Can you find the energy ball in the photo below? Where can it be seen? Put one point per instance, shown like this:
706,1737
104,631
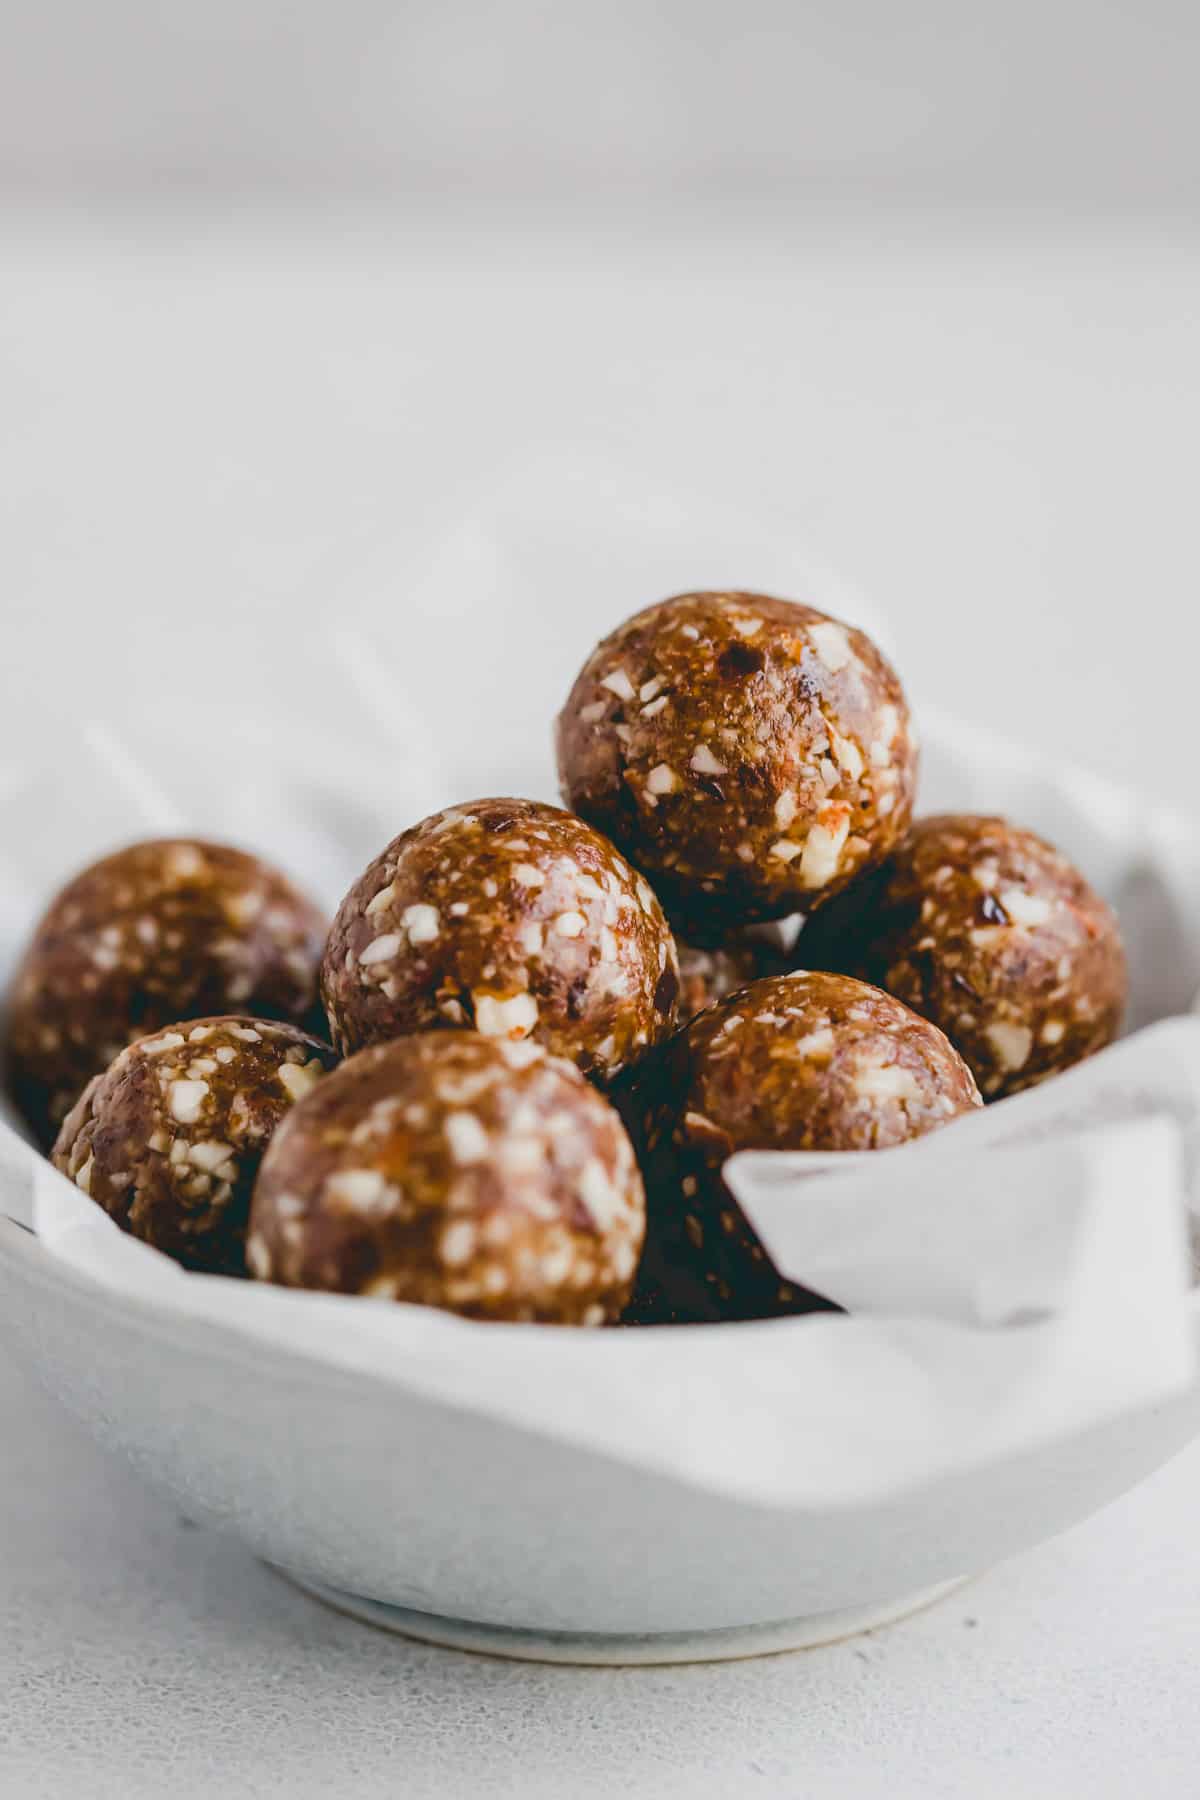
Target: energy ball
163,931
169,1139
447,1169
510,917
806,1061
991,933
751,755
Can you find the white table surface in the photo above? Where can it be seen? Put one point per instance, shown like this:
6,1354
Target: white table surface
141,1656
203,425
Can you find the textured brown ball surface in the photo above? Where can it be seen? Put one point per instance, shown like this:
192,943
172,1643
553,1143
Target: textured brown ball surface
796,1062
751,755
991,933
169,1139
483,1177
513,918
162,931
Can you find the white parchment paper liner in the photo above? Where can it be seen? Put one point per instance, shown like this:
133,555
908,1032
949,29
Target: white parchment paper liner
1000,1298
964,1359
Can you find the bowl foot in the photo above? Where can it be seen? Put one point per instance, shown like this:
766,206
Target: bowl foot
602,1648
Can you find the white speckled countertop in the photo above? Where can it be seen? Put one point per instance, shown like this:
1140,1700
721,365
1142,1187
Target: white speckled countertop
140,1656
999,441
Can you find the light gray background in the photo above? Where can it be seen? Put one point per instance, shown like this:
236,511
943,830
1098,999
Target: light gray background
1084,106
283,289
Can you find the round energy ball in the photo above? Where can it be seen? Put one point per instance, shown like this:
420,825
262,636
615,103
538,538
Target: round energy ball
751,755
168,1140
513,918
806,1061
161,931
991,933
481,1176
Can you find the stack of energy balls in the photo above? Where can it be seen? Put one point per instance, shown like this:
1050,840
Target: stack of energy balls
505,1082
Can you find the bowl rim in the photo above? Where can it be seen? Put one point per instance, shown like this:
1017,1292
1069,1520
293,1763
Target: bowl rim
229,1344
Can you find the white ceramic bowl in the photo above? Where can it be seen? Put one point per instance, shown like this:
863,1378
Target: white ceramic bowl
488,1535
354,1485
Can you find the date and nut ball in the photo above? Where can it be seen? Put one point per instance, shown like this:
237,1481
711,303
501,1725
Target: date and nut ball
751,755
481,1176
513,918
162,931
169,1139
806,1061
991,933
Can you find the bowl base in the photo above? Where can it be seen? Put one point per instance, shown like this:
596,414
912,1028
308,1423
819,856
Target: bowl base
602,1648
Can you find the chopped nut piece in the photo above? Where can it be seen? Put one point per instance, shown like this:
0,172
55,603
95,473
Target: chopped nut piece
531,936
380,949
619,683
209,1155
296,1082
831,644
1011,1043
705,763
891,1081
603,1200
848,756
514,1017
457,1243
421,923
1025,909
823,846
187,1100
466,1137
